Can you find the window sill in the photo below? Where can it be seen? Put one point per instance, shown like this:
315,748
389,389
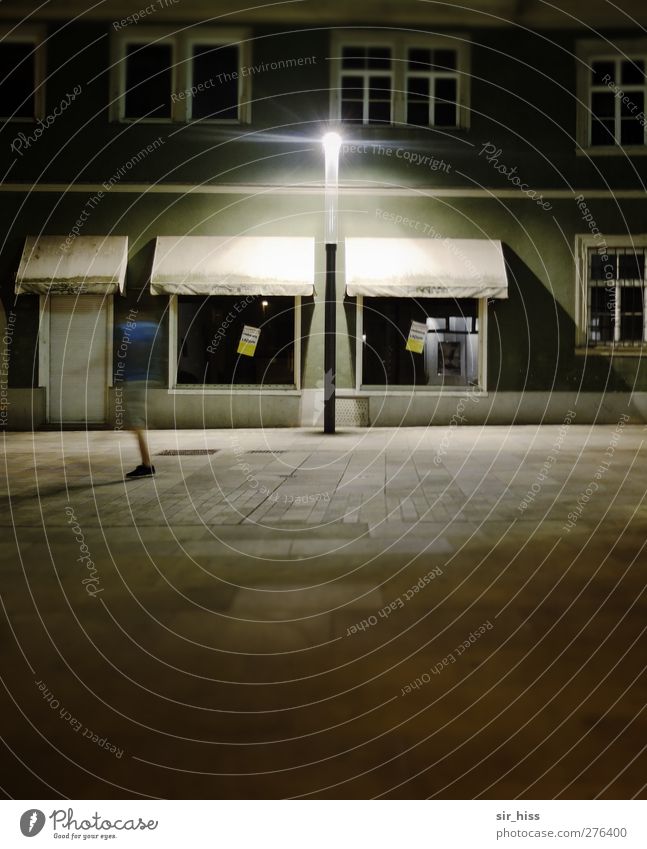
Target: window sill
171,122
436,391
612,150
611,351
234,390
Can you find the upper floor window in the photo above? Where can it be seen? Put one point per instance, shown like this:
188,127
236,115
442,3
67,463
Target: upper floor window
401,79
196,75
22,74
618,89
612,96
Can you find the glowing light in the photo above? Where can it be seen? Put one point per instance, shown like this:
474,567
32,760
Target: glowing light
332,143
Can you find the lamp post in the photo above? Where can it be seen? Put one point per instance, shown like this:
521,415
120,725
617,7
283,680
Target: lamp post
331,144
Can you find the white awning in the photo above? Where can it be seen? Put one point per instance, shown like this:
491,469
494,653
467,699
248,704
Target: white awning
56,265
425,268
233,265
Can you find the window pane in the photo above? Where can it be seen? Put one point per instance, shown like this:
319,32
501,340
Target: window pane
633,72
603,269
445,60
446,90
445,115
631,266
451,325
379,112
603,104
418,88
215,69
148,80
17,80
419,58
602,132
602,313
352,110
631,328
634,104
600,70
200,319
631,299
418,113
353,57
379,57
631,131
352,87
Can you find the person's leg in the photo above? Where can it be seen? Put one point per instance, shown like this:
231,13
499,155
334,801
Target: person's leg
140,433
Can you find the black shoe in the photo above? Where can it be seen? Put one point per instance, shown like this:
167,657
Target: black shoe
142,472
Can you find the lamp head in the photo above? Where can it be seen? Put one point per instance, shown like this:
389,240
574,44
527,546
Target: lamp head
331,143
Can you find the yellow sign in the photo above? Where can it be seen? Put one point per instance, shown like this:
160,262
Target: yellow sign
417,336
249,340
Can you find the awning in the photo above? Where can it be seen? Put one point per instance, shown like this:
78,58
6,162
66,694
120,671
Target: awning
233,265
56,265
425,268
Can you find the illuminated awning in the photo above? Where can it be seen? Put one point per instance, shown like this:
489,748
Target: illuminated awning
425,268
58,265
239,265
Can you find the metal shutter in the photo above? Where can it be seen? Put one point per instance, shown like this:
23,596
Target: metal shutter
77,358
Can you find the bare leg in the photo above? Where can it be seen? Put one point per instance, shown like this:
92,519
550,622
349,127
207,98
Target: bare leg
140,433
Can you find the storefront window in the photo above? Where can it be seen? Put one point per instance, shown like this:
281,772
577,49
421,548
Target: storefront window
450,350
209,333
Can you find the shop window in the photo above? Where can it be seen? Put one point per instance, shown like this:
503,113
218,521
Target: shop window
209,330
450,353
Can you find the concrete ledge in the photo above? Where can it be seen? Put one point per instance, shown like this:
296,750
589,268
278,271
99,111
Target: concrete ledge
170,411
25,409
504,408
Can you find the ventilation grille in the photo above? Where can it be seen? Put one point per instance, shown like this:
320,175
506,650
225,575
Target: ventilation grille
351,412
186,452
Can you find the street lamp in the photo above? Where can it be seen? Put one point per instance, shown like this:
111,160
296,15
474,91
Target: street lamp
331,145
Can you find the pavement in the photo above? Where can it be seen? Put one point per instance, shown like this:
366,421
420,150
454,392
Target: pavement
394,613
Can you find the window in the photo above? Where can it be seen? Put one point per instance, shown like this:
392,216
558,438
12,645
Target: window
418,80
612,92
432,87
451,348
22,75
616,296
366,85
180,77
149,80
618,101
209,331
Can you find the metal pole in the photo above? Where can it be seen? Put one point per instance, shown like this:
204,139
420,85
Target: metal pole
330,339
331,143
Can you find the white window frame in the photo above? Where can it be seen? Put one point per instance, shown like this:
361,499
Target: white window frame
227,389
182,70
400,43
596,50
369,389
583,244
34,35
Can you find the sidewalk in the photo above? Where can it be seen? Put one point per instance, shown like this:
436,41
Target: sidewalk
414,612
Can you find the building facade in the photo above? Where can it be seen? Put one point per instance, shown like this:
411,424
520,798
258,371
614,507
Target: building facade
165,163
